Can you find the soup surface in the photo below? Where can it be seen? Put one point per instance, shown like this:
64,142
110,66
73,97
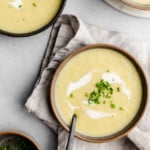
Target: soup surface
21,16
102,87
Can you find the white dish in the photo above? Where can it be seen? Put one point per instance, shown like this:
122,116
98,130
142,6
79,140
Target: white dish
119,5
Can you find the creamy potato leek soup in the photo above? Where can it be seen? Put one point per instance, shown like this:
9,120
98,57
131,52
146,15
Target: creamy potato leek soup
102,87
21,16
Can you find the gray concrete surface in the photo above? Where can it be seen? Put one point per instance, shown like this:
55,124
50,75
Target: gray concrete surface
20,60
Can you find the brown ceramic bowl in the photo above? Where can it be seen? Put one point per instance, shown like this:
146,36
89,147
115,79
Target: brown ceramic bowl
16,138
137,117
52,21
136,5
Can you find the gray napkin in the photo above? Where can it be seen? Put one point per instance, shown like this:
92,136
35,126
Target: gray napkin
68,34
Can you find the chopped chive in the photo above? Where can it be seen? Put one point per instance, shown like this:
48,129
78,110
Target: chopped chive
113,106
104,102
86,94
107,70
71,95
111,91
121,108
34,4
103,89
7,147
107,96
20,6
118,89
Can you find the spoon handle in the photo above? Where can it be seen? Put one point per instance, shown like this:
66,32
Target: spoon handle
71,134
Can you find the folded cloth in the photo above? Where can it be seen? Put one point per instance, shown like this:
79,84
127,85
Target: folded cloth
68,34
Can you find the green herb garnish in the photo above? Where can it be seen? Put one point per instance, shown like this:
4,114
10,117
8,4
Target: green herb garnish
71,95
86,94
18,144
118,89
94,97
103,90
23,144
104,102
121,108
8,147
20,6
34,4
113,106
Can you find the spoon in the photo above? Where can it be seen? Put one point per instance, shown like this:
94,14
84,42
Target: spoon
71,134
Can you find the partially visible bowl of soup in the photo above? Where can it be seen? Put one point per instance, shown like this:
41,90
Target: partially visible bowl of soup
16,140
105,87
27,17
139,4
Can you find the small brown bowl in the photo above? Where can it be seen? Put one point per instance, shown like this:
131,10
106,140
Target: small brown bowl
133,4
17,140
51,22
137,117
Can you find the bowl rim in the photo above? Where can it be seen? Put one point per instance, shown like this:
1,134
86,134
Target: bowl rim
136,5
137,117
21,134
46,26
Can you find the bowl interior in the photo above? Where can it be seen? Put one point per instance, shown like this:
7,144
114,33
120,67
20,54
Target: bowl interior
16,141
137,117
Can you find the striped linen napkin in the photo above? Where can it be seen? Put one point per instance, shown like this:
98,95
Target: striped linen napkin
68,34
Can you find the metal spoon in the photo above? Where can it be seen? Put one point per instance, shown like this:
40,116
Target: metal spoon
71,134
